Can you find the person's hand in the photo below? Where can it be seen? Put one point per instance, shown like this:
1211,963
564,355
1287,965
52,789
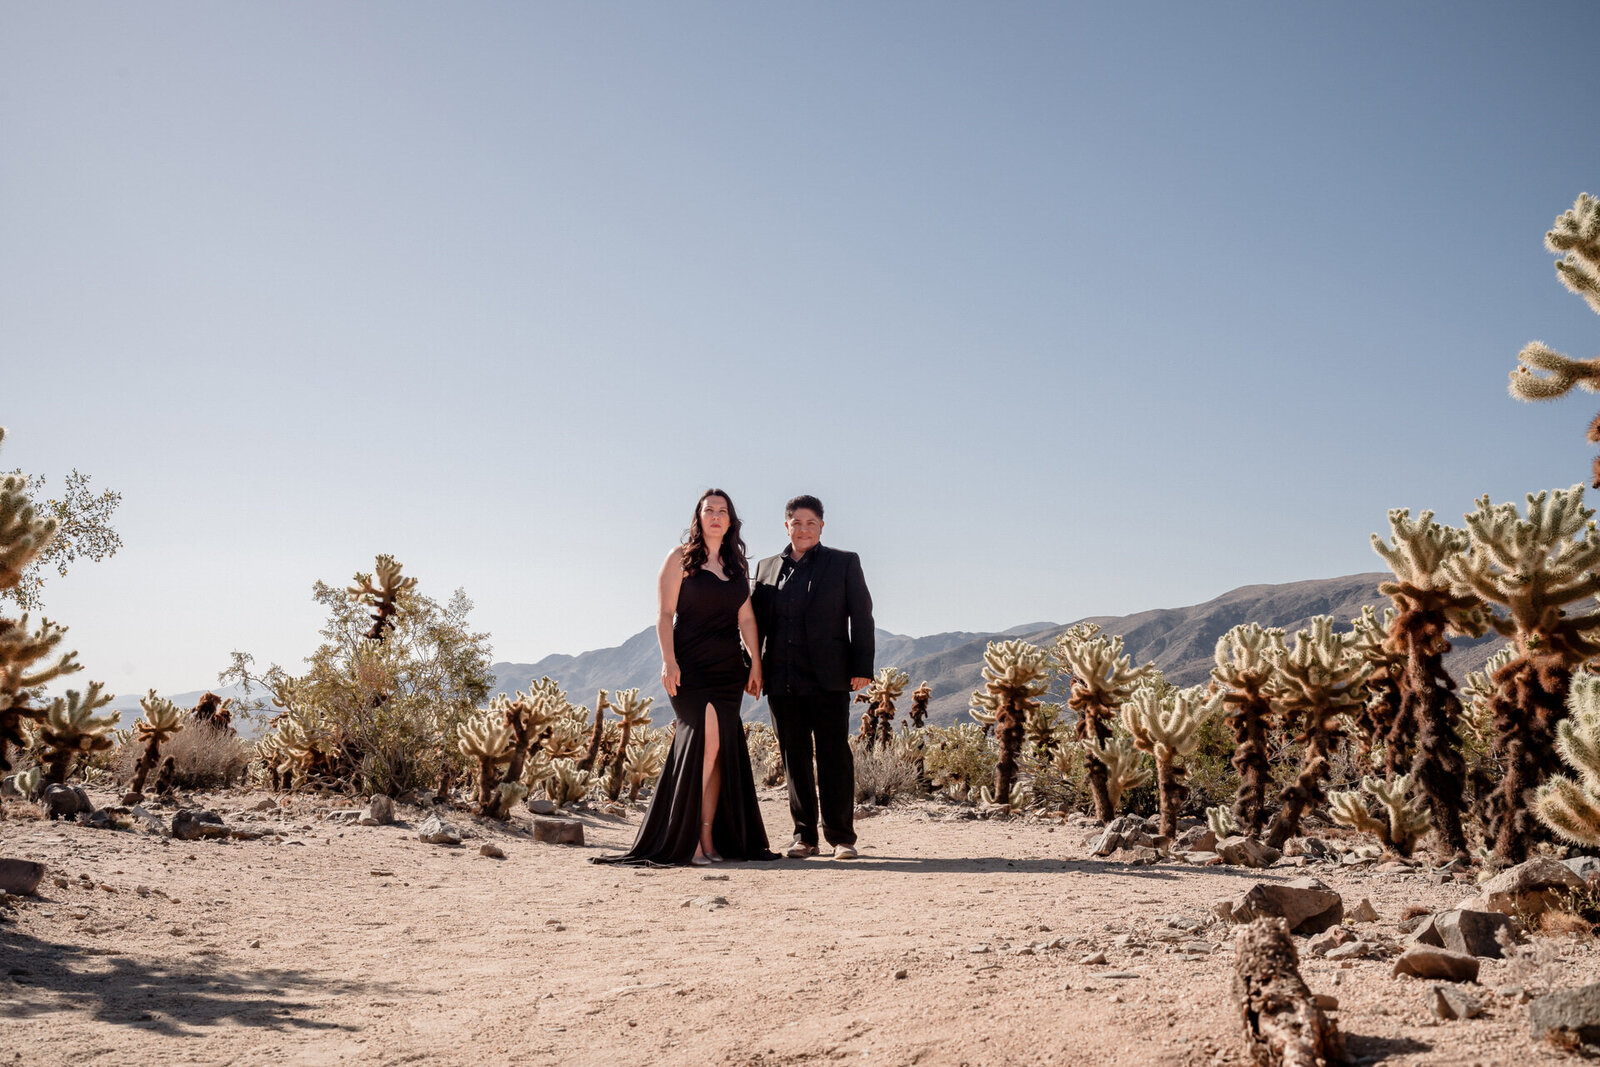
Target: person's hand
670,677
753,686
858,684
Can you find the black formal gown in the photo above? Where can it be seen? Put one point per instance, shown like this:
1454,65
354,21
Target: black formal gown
705,637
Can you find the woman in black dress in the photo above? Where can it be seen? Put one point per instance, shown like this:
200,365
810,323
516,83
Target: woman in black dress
704,807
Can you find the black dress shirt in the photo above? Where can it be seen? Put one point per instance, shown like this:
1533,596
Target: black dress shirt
788,654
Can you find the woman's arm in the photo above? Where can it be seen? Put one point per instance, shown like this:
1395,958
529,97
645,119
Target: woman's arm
667,600
752,645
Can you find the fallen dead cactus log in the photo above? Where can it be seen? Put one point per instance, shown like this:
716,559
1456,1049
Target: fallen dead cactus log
1283,1025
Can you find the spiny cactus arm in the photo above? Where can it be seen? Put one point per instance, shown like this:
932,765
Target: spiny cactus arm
1415,550
1221,821
1576,236
382,596
486,737
74,715
1247,655
1349,808
1569,809
1545,374
162,718
1408,818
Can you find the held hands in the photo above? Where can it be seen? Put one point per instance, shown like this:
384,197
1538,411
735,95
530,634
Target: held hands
753,686
670,677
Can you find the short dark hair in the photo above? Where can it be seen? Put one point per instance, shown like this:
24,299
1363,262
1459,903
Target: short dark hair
804,500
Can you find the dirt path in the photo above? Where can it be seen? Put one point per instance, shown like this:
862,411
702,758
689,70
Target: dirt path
347,944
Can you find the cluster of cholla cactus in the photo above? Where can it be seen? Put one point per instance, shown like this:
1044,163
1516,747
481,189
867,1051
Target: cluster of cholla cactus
877,720
1538,575
1317,683
1407,820
1015,675
162,719
30,655
1165,722
1544,374
1103,679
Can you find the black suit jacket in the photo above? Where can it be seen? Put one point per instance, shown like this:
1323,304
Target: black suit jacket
839,627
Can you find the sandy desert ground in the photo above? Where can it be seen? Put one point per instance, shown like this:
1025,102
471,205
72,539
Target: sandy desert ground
950,941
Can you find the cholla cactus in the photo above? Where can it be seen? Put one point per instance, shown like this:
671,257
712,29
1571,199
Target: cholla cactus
643,765
1572,808
601,703
1576,237
530,718
919,705
270,751
23,650
1016,800
1221,821
633,711
1167,725
568,731
1374,722
1429,611
881,693
71,728
1103,679
1477,723
487,738
383,596
162,719
1015,673
1531,571
568,783
1247,657
1124,769
1407,819
30,782
1043,731
1319,681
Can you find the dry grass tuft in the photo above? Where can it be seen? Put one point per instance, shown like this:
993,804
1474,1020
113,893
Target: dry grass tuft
204,757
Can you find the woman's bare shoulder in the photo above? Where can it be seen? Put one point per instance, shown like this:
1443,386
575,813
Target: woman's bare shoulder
675,557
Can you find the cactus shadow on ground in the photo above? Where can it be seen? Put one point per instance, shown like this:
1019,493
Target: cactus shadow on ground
1367,1049
175,999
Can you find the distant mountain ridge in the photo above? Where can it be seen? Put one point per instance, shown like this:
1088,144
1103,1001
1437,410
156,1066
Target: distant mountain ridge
1181,641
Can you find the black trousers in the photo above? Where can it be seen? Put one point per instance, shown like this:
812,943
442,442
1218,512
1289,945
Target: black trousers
820,723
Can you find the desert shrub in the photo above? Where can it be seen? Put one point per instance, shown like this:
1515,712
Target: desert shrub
884,772
766,761
1057,778
960,759
203,757
378,715
1212,779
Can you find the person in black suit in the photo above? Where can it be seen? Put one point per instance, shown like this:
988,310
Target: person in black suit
814,618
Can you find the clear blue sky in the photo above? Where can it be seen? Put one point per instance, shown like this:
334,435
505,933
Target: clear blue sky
1061,310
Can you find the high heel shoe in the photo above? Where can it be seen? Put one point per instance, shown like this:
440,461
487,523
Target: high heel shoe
700,859
713,856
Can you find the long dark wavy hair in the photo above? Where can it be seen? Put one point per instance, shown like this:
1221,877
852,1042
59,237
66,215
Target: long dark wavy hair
694,542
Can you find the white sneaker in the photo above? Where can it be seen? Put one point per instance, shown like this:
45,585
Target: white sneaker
845,852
